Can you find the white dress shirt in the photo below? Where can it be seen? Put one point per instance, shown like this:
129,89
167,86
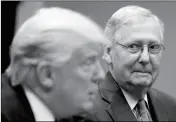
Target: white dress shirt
131,101
40,110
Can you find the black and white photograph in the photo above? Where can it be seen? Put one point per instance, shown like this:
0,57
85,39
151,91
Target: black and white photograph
88,61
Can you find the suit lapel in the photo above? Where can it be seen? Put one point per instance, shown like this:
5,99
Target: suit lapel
24,109
107,90
117,108
15,105
156,105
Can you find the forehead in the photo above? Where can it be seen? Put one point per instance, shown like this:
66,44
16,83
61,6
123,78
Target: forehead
89,49
86,52
148,30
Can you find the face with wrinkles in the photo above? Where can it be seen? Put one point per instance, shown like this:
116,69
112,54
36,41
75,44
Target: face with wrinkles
75,83
140,68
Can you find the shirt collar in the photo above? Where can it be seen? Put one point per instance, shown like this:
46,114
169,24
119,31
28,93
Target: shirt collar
40,110
131,101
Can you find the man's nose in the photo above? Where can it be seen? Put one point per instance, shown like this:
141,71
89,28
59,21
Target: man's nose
99,75
144,57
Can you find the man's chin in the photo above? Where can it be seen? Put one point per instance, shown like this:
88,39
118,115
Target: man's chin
142,82
137,85
141,79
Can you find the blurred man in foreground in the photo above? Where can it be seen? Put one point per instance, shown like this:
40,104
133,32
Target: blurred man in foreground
134,64
54,69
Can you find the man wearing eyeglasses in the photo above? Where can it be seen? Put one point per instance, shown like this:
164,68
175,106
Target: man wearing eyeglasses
134,64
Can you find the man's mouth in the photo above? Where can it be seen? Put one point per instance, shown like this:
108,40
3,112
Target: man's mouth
142,74
142,71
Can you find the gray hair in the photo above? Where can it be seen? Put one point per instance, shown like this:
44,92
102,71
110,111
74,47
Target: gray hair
124,16
32,45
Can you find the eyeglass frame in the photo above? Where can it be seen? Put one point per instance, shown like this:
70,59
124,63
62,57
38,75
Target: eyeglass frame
142,47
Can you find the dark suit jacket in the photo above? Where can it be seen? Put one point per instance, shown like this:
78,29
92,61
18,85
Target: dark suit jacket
16,108
111,104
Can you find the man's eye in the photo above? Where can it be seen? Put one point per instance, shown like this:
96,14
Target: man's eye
155,47
134,46
90,60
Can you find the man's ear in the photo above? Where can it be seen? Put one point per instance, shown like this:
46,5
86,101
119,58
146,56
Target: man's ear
44,74
107,56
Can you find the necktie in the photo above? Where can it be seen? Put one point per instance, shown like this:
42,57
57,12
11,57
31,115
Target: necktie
144,114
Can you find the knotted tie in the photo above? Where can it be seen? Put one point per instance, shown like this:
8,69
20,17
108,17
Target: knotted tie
144,114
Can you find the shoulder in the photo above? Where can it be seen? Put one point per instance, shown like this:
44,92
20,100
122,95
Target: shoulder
4,118
9,97
6,89
165,102
165,98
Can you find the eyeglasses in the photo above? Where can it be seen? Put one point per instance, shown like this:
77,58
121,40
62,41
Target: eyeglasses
134,47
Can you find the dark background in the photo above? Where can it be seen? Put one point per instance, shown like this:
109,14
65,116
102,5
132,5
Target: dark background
8,14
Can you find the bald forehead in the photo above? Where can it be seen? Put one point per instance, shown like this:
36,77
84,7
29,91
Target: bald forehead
140,21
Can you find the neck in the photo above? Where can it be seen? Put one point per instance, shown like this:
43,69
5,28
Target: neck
138,92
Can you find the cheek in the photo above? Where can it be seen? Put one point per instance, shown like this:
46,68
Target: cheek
155,61
123,61
75,92
82,79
